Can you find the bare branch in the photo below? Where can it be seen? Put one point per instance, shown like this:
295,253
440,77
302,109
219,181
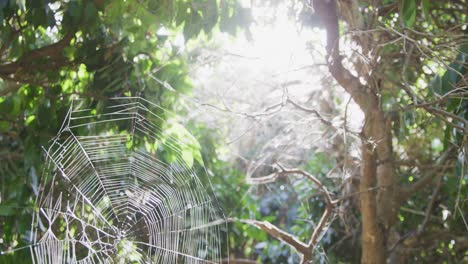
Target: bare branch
305,249
277,233
52,51
309,110
238,261
440,112
407,192
430,207
284,172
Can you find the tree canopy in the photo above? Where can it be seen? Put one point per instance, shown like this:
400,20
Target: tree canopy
305,185
54,51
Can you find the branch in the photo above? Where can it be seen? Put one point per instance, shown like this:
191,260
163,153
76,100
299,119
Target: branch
309,110
52,51
420,213
414,239
284,172
277,233
407,192
440,112
305,249
11,156
238,261
7,42
326,10
430,207
428,106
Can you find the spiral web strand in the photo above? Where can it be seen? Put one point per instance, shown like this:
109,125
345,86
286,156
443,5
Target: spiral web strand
105,198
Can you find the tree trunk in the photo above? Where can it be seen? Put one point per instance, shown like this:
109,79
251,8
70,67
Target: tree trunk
387,203
373,251
378,201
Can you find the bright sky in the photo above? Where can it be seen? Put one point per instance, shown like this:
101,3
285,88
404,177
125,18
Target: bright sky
250,75
282,44
277,52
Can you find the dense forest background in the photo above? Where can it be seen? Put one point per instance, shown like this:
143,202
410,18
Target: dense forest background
352,151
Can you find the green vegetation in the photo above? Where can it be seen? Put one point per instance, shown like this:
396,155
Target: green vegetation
402,198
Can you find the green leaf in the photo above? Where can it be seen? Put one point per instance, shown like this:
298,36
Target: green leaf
4,126
442,84
426,4
192,25
210,16
6,210
90,13
187,156
408,12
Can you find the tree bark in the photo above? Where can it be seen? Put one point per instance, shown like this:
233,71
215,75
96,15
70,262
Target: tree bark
372,246
52,51
387,202
377,186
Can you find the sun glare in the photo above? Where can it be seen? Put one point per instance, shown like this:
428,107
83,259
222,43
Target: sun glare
281,54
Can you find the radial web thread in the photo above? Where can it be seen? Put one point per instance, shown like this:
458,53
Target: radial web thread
105,197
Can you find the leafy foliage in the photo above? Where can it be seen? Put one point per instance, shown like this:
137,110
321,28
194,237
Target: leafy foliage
53,51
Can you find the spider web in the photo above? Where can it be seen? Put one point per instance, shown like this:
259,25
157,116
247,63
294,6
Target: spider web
108,194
